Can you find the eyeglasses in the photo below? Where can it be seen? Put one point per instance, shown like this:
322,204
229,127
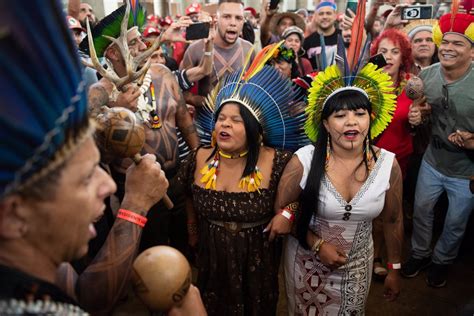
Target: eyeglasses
445,99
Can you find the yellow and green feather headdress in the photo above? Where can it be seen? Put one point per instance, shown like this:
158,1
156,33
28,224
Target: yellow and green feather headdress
375,84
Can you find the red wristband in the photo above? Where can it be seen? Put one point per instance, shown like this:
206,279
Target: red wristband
288,215
132,217
394,266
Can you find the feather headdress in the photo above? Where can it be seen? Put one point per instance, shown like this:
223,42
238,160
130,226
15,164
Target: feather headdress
372,82
267,95
459,23
369,81
43,116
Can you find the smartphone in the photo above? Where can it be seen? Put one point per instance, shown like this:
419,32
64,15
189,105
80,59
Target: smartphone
378,60
197,31
417,12
274,4
352,5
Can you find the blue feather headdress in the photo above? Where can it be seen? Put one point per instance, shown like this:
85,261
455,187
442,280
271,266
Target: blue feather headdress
268,96
43,112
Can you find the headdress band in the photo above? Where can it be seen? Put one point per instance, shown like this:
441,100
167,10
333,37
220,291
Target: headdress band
349,88
326,4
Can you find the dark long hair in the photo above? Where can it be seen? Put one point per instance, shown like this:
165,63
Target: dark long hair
254,134
346,99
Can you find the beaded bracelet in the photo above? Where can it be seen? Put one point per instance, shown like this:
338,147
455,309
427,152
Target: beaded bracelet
132,217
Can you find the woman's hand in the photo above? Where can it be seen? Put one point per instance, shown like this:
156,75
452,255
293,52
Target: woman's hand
279,225
330,255
392,285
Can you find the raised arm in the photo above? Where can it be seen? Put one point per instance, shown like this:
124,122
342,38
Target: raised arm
392,215
73,8
99,287
205,66
265,32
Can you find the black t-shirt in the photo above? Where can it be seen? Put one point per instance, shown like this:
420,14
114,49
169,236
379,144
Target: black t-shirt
312,46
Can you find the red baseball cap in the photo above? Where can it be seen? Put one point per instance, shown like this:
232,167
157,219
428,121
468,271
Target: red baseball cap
252,11
150,31
166,21
74,24
193,8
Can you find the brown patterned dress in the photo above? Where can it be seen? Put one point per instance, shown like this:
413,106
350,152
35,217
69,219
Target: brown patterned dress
238,267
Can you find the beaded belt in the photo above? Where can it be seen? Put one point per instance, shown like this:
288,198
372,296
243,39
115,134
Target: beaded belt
235,227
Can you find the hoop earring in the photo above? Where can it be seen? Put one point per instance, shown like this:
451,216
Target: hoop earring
328,152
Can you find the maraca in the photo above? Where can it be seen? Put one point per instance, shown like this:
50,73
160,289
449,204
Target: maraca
161,277
414,88
120,134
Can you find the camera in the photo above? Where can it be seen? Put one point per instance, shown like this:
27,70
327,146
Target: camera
417,12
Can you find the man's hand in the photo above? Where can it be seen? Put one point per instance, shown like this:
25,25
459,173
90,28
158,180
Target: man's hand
174,33
190,305
128,98
145,185
269,13
462,139
418,109
348,20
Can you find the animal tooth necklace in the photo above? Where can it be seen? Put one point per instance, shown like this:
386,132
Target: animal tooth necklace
210,172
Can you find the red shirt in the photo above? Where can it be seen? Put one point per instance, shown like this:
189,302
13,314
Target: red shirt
397,136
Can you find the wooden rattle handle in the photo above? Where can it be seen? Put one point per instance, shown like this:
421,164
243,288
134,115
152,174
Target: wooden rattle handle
166,199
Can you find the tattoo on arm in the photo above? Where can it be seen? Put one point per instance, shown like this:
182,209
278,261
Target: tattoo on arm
101,284
185,123
393,215
98,97
289,188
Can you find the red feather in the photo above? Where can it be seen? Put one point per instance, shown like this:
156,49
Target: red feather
357,36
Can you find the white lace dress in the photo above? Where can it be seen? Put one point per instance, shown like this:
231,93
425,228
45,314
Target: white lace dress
314,289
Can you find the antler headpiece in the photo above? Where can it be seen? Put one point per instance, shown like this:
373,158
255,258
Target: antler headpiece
113,29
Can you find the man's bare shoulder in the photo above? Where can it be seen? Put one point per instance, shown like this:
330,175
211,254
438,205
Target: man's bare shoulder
159,70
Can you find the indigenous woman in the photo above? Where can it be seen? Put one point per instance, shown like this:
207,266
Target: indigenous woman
232,186
343,182
284,60
397,137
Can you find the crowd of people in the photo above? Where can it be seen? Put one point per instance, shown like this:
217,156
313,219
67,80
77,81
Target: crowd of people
289,143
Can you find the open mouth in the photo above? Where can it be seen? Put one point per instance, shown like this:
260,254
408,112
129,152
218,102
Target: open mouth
232,34
448,56
351,134
224,135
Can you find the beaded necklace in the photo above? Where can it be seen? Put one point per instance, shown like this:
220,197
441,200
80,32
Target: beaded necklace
210,172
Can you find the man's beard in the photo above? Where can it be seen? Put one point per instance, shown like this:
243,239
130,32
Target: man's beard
91,23
222,36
